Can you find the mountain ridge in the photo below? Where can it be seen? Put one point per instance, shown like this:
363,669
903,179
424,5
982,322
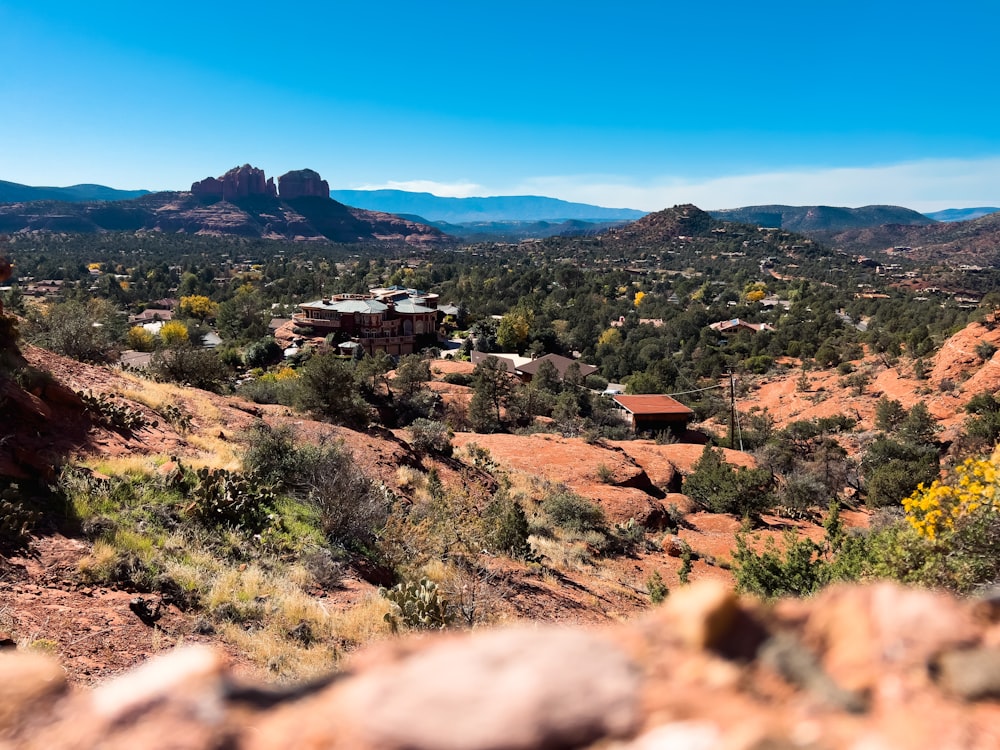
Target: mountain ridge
821,218
14,192
481,209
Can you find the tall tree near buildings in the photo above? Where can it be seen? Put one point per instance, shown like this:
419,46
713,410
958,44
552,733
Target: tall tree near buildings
492,386
242,317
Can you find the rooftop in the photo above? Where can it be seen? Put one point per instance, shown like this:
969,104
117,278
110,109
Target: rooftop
655,403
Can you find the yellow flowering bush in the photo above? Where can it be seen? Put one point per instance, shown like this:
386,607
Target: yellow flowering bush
971,492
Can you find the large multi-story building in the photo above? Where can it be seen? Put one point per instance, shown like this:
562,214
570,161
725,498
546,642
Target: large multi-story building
393,320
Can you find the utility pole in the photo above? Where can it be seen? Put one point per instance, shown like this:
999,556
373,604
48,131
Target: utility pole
732,411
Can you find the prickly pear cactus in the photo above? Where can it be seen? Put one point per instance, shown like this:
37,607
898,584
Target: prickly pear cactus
417,604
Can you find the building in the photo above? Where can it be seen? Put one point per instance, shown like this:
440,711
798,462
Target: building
654,413
561,364
525,368
734,326
394,321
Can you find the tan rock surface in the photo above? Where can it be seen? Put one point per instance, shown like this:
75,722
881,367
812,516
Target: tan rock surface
854,667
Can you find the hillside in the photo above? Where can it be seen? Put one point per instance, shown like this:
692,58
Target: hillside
12,192
962,214
807,219
240,203
518,208
974,242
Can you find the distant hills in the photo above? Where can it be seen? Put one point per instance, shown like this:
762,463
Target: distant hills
975,242
504,208
242,203
962,214
12,192
821,218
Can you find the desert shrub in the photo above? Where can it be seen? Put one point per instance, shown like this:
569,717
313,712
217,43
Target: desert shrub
797,570
625,538
687,555
985,350
656,587
458,378
269,390
984,424
85,330
889,414
188,365
605,474
328,387
262,353
720,488
428,436
17,518
569,511
351,508
893,469
506,527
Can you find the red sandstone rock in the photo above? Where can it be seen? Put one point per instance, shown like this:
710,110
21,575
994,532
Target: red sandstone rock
302,183
706,670
238,182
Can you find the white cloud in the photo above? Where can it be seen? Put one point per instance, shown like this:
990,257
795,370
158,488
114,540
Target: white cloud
442,189
926,185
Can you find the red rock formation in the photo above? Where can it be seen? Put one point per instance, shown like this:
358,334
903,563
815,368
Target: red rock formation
207,188
302,183
238,182
880,666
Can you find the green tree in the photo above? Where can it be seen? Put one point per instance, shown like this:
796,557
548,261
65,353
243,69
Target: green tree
512,333
327,387
492,386
716,485
242,317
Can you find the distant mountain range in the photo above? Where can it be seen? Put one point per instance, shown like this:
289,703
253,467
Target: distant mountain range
821,218
242,203
962,214
12,192
975,242
504,208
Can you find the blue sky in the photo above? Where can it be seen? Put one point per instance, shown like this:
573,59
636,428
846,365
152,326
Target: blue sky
638,104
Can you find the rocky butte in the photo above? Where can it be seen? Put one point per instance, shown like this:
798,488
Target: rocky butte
302,183
238,182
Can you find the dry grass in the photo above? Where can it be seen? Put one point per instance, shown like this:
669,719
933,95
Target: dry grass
563,554
132,465
279,658
364,622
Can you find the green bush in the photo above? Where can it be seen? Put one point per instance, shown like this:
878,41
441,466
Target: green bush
428,436
656,587
571,512
506,527
720,488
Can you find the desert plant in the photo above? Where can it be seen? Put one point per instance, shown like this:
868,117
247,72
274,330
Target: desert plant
656,587
429,436
17,519
117,415
416,604
226,498
720,488
569,511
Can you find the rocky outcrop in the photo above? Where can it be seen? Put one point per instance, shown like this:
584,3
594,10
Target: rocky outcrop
879,666
302,183
238,182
